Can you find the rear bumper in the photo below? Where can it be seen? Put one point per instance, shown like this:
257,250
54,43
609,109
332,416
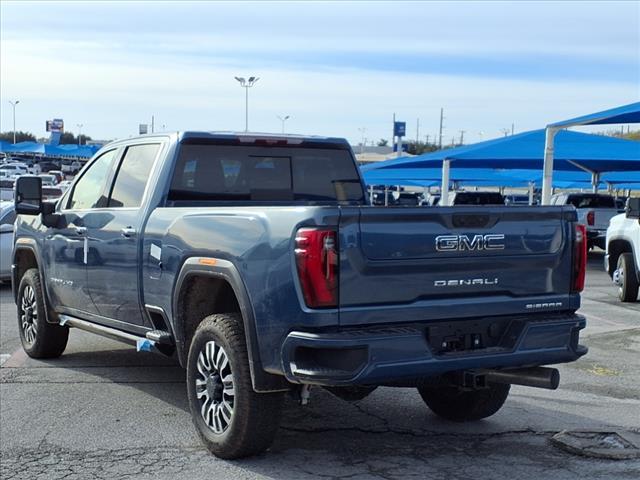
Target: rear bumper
597,237
384,355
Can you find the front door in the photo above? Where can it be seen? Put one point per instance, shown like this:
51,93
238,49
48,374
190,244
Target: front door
113,239
66,245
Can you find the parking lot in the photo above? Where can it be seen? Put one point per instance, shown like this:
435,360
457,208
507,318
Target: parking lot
104,411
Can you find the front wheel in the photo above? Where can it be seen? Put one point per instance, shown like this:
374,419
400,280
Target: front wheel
231,418
461,405
626,278
40,339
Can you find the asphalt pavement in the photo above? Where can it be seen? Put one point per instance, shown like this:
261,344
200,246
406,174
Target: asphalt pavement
104,411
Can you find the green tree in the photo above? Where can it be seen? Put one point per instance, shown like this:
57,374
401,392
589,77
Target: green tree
20,137
418,148
383,142
68,138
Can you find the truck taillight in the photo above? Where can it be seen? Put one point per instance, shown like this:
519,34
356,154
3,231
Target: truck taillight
591,217
317,262
579,258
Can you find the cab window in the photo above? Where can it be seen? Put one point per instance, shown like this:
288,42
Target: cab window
88,191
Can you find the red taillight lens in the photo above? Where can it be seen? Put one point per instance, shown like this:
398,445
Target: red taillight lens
579,258
317,261
591,217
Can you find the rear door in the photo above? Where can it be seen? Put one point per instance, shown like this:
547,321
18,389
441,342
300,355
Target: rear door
406,264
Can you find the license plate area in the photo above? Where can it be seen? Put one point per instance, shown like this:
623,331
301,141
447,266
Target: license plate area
473,336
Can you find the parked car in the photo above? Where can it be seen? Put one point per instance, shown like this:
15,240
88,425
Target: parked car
49,180
64,185
51,192
258,262
431,199
70,167
48,165
595,210
58,174
7,218
518,200
477,198
33,167
15,169
622,258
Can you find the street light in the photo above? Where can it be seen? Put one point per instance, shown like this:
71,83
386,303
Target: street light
283,119
246,84
79,125
13,104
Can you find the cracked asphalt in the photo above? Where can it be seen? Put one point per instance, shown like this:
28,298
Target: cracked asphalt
104,411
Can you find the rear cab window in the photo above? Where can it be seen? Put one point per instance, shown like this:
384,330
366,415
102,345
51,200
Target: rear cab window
591,201
228,173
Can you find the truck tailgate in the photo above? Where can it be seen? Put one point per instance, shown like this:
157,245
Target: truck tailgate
412,264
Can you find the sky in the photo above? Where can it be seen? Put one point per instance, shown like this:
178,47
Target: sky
336,68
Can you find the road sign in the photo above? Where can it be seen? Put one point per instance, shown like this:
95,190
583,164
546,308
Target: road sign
400,129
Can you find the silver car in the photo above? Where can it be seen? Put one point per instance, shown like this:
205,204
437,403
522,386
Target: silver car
7,218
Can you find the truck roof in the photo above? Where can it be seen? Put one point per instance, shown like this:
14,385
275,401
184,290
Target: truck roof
244,137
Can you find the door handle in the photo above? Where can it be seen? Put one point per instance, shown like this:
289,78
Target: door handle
128,232
80,230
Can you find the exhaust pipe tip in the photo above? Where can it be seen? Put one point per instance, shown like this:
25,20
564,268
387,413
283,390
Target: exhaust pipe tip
537,377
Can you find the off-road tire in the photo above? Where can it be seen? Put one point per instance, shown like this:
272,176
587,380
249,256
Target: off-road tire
460,405
40,339
628,290
256,416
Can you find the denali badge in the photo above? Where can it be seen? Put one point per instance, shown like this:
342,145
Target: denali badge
448,243
465,281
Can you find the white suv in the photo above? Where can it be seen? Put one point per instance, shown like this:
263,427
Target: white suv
622,260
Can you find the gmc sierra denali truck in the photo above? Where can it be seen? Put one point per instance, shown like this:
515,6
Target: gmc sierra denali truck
256,260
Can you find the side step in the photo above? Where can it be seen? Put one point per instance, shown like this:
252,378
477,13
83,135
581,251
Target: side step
154,341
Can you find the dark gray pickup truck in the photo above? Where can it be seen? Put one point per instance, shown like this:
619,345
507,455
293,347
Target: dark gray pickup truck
256,260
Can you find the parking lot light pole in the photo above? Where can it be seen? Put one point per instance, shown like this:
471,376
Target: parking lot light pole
283,119
79,125
247,84
13,104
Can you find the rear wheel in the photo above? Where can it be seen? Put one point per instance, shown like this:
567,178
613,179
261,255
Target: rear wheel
462,405
626,278
40,339
231,418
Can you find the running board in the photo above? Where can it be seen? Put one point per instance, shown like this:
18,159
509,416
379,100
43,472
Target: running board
142,344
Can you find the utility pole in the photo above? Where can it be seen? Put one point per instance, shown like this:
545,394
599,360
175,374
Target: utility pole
153,121
505,131
13,104
426,139
513,128
393,131
79,125
362,131
441,126
417,132
462,137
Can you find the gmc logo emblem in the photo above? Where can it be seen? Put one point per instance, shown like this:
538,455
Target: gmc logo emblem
451,243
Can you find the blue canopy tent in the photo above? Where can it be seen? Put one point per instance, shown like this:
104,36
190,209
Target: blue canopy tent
575,152
624,114
82,151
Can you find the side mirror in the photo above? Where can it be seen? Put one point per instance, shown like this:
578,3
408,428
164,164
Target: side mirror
632,209
28,195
